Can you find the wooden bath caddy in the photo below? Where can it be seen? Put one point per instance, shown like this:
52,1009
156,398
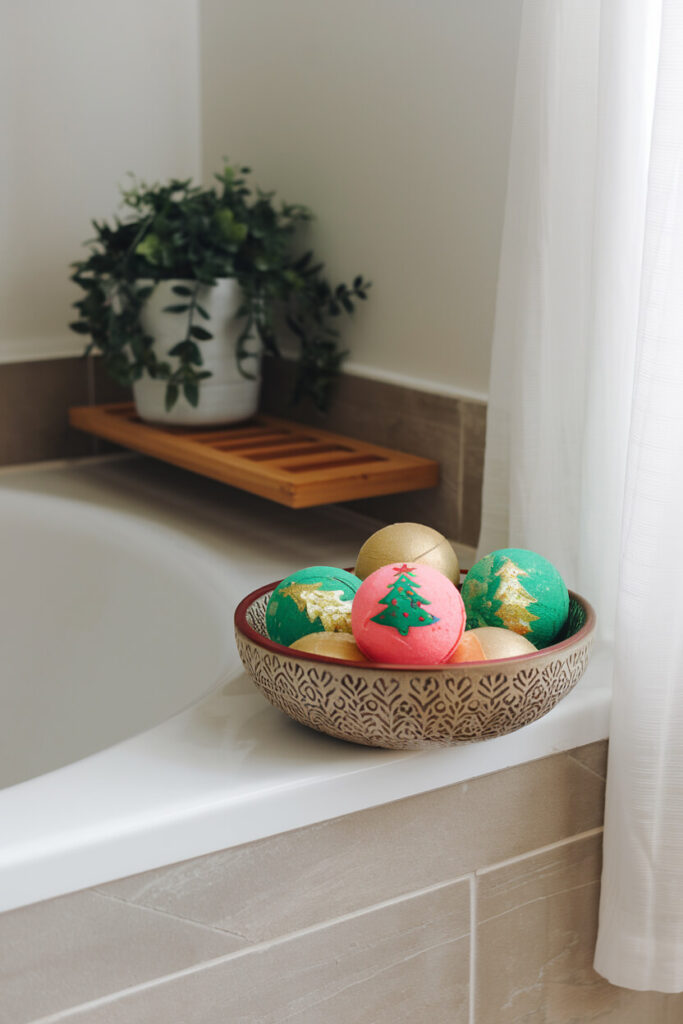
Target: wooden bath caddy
288,462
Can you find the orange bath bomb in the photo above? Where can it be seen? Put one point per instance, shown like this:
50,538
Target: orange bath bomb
330,645
489,643
469,649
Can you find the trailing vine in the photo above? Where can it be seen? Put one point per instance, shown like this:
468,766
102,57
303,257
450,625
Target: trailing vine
179,231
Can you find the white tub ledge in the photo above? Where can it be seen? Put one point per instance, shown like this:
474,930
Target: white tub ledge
229,768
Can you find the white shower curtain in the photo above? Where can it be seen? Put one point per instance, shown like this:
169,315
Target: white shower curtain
584,456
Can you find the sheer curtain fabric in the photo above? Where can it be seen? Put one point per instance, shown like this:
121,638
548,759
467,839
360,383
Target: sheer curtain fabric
584,458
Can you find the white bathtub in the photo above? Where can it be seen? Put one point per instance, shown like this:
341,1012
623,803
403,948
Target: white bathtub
119,580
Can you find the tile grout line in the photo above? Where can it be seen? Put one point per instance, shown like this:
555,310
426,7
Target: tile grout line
424,386
460,476
90,381
540,849
167,913
50,465
473,945
537,899
587,767
73,1012
382,970
91,398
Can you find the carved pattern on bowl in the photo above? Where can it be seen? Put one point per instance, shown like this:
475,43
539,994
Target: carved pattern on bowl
409,709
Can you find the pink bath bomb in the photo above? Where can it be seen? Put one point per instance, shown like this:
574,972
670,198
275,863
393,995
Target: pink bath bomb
407,614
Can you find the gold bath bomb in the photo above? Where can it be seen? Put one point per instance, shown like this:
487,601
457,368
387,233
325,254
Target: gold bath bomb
411,543
330,645
488,643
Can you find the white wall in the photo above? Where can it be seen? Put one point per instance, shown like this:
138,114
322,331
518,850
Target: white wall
391,119
89,90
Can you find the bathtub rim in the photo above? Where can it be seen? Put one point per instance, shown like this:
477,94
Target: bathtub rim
104,831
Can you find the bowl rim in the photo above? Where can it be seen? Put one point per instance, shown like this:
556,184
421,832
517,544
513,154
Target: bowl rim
262,641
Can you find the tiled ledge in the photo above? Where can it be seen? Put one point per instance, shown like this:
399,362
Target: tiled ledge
476,904
379,900
446,428
34,400
35,397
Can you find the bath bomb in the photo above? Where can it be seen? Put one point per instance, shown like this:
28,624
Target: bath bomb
486,643
518,590
407,542
407,614
468,649
310,601
330,645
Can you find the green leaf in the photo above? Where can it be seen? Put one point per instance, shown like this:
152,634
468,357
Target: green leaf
150,248
193,353
176,309
178,349
295,327
243,371
202,311
200,333
231,229
191,392
79,327
304,260
171,396
181,289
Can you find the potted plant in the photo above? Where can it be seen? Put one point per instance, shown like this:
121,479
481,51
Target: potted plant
186,291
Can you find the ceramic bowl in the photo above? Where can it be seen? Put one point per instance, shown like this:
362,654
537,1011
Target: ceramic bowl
408,708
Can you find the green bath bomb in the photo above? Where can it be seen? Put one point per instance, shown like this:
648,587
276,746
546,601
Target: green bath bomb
310,601
518,590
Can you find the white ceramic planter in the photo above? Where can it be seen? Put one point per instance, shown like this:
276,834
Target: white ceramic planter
226,396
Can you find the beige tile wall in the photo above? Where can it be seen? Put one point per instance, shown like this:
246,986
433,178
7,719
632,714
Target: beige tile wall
34,398
68,951
536,925
593,756
450,430
375,855
474,904
403,962
34,403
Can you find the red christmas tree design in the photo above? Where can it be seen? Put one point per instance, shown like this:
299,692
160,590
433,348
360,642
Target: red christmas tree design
404,606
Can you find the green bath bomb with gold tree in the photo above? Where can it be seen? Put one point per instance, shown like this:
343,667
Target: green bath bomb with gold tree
311,600
518,590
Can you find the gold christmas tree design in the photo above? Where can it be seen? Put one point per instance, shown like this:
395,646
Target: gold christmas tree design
514,599
327,605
